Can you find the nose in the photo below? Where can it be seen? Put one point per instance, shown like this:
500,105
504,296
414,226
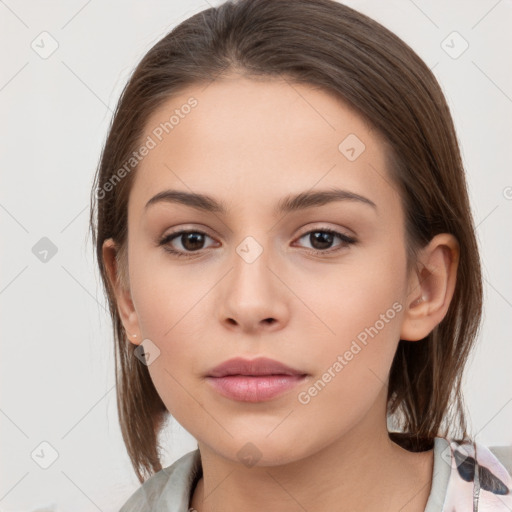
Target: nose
253,297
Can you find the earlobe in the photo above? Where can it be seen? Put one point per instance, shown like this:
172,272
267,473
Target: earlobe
431,287
133,338
122,294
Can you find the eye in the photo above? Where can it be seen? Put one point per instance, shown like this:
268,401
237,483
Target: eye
191,241
322,239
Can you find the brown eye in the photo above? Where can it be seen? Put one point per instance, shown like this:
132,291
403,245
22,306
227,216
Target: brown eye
190,241
321,240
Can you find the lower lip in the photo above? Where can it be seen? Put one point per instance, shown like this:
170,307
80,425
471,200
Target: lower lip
254,389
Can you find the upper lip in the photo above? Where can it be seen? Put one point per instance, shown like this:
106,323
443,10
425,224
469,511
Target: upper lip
258,366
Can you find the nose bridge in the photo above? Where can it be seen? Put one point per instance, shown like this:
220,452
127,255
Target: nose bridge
251,264
252,293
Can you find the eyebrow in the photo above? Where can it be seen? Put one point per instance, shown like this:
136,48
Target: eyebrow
287,204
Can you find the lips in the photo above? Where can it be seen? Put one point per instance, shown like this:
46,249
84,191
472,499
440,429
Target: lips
254,367
254,380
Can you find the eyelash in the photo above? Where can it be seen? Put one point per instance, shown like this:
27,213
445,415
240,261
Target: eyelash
180,254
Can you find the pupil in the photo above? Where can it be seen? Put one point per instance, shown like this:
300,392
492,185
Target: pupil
325,239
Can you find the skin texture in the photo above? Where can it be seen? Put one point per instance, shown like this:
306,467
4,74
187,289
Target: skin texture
249,143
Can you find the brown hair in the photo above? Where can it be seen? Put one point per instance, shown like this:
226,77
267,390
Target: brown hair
326,44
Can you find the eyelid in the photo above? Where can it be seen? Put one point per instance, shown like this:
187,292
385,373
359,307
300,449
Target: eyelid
204,230
184,228
324,227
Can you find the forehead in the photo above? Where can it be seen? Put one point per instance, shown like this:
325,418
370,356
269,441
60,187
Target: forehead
241,138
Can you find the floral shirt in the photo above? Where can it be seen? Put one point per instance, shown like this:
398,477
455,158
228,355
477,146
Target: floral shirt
461,481
477,482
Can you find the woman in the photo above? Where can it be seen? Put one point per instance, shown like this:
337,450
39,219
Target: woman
284,233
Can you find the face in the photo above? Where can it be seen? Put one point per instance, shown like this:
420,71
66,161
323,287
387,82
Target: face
320,287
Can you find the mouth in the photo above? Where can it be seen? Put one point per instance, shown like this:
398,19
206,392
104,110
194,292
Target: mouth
254,380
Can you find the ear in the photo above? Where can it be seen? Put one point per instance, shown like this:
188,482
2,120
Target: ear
431,287
122,293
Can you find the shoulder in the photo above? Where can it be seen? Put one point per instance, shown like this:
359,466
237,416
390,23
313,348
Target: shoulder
169,489
480,476
497,459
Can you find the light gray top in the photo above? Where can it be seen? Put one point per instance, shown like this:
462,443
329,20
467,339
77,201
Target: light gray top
170,489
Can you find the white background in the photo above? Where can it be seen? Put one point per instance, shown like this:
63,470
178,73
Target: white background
57,352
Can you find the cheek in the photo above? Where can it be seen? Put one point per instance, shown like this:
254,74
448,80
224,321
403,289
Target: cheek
168,310
362,309
165,292
357,313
